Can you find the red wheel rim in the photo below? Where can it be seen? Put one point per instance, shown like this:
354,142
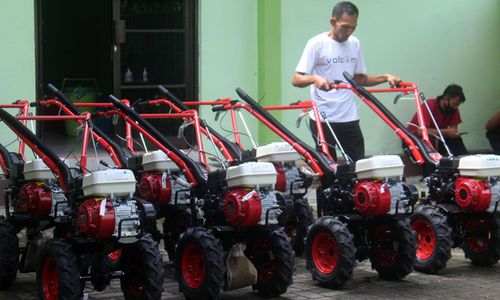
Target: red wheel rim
325,254
478,234
50,279
263,258
193,265
426,239
386,245
115,255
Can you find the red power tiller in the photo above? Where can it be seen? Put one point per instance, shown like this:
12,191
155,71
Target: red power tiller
461,208
99,227
291,183
363,213
230,208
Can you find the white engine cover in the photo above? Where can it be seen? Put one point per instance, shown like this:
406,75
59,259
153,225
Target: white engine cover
158,161
380,166
481,165
37,170
251,174
277,152
118,182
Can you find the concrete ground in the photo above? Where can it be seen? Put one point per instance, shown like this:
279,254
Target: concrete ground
460,280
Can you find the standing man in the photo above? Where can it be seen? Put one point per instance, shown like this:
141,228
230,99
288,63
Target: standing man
325,57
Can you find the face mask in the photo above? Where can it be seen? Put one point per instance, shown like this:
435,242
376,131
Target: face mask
447,109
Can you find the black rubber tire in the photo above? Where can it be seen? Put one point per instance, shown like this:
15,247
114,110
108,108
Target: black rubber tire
489,256
65,263
213,264
143,272
343,249
273,259
297,225
436,232
173,227
9,254
403,255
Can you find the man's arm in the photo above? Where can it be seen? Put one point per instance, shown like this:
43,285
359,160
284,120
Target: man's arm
370,80
492,122
303,80
450,132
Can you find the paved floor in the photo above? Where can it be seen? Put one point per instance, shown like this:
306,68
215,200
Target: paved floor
460,280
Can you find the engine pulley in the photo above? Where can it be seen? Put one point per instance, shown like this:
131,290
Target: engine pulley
155,188
472,195
372,198
35,199
242,208
96,223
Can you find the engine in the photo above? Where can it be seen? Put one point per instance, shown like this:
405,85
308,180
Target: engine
242,208
155,188
477,188
472,194
288,178
283,156
109,210
105,218
378,198
35,199
250,198
41,196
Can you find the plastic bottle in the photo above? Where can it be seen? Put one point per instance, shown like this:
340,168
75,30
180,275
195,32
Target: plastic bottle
145,75
128,75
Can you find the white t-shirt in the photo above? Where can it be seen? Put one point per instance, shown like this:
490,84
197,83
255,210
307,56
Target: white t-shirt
328,58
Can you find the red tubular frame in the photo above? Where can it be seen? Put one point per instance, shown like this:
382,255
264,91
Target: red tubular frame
23,107
191,115
51,164
217,142
309,159
176,159
128,129
98,138
405,88
304,105
234,124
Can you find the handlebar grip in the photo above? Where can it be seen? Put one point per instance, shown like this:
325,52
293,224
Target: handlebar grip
52,88
172,97
295,103
112,97
34,104
163,89
216,108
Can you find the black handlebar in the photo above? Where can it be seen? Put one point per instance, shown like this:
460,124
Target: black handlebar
231,147
425,149
193,167
27,135
122,153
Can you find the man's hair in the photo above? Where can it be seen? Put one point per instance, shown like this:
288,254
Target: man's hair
344,7
454,90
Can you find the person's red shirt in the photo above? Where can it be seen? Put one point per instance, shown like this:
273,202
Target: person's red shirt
443,120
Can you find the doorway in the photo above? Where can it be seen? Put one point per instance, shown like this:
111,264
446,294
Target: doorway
95,43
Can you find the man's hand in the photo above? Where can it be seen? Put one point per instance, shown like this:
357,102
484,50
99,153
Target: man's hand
321,83
451,132
393,80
